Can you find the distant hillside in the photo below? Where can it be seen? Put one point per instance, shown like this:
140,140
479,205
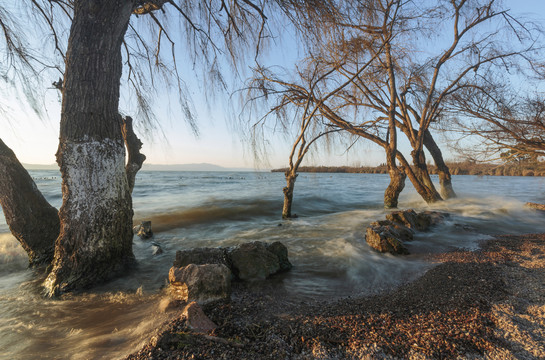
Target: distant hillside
190,167
154,167
41,167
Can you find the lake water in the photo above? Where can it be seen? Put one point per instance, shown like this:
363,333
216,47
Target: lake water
191,209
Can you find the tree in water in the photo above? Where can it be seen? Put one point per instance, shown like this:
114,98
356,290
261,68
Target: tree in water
412,83
299,96
95,238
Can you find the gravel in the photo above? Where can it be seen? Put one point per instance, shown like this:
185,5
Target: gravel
487,304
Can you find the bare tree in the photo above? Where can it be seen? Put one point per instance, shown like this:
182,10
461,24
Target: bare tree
411,82
293,100
95,239
509,125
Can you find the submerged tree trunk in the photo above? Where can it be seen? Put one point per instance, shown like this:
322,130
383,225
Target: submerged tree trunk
430,196
31,219
423,176
288,195
95,240
396,185
445,179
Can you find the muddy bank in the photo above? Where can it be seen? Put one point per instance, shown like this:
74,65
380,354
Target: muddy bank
484,304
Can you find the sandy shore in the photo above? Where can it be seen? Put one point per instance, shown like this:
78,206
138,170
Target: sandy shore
486,304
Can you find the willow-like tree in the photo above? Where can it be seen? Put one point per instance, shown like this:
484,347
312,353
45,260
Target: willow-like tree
293,103
411,81
95,238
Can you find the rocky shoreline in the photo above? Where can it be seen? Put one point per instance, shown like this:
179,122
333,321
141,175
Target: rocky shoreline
484,304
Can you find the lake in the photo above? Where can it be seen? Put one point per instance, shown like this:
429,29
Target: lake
192,209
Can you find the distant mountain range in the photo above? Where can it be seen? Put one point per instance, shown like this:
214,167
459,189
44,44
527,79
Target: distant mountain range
156,167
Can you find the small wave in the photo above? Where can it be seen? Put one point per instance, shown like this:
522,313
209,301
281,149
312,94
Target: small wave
218,211
12,255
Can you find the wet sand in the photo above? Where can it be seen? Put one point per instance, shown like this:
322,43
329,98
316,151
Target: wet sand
486,304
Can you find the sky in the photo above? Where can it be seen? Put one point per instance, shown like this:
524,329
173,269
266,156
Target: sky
35,139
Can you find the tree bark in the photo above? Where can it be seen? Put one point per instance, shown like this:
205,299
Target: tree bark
135,157
429,196
288,194
445,179
31,219
95,241
395,187
423,176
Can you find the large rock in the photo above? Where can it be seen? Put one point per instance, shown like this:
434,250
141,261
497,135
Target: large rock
252,261
201,256
200,283
281,251
385,238
416,221
389,235
401,231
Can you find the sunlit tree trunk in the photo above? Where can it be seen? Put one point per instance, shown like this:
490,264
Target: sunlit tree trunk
95,240
397,177
31,219
396,185
445,179
423,176
291,176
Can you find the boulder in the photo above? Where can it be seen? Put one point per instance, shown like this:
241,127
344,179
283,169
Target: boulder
402,232
201,256
385,238
417,221
389,235
196,319
252,261
200,283
408,218
432,217
281,251
143,230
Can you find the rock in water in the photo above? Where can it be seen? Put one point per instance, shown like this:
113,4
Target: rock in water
196,320
281,251
252,261
389,235
201,256
417,221
385,239
143,230
200,283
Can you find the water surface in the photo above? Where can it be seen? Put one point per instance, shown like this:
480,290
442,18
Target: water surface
188,209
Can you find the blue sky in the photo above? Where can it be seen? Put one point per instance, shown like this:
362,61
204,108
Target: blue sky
35,139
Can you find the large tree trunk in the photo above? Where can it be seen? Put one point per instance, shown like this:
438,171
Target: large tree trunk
396,185
429,195
423,176
95,240
445,179
288,194
31,219
397,180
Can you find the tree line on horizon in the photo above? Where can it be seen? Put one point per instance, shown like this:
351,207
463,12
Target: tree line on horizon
373,70
456,168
